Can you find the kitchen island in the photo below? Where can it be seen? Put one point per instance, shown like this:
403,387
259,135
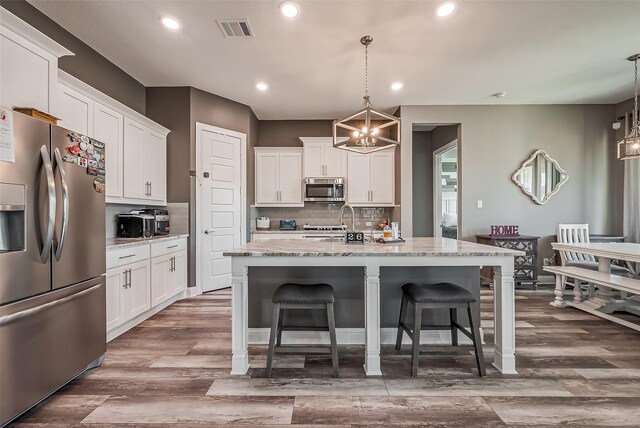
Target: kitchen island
371,257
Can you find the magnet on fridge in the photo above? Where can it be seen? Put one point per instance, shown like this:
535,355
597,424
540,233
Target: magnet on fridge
100,164
83,145
97,144
98,184
92,163
70,159
92,170
74,150
82,162
96,155
101,171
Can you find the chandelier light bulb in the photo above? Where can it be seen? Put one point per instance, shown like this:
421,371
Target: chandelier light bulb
375,131
365,129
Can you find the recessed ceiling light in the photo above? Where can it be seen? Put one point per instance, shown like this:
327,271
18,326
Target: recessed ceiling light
446,8
396,86
171,23
289,9
261,86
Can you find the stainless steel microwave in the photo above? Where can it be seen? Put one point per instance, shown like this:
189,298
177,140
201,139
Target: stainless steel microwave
324,189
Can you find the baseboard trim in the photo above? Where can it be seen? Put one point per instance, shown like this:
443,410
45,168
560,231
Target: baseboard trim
354,336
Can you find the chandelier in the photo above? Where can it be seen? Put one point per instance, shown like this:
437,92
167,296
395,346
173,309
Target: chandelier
629,146
367,130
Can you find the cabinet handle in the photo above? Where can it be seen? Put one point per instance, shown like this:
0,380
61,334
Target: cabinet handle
172,246
127,256
150,188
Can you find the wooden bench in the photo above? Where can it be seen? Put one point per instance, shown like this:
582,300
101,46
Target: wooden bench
598,278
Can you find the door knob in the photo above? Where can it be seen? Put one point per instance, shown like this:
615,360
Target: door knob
208,232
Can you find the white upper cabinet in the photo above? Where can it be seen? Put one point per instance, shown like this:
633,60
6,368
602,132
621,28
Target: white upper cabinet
278,177
155,155
108,128
75,111
28,66
321,159
135,146
135,185
371,179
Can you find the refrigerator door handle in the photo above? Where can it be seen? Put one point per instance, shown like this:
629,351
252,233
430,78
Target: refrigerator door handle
65,204
51,217
28,312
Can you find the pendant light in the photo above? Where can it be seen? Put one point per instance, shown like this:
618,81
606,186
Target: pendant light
368,130
629,146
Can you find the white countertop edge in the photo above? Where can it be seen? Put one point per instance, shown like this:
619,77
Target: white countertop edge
132,242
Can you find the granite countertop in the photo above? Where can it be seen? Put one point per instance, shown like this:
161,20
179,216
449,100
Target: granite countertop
412,247
312,232
117,243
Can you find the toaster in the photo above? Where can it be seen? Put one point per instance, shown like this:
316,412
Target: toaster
135,225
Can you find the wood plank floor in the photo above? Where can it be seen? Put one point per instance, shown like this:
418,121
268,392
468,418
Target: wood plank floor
575,369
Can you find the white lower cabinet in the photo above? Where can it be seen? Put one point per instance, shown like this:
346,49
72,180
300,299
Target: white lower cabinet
127,292
142,280
169,276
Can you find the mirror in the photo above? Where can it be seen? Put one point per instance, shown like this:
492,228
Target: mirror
540,177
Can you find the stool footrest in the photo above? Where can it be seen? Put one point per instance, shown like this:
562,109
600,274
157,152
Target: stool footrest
303,328
302,349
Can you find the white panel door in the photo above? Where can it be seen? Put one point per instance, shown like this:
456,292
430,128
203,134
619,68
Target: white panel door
75,111
267,191
135,185
108,128
335,161
314,160
138,293
160,279
24,74
290,178
155,160
358,179
179,275
382,177
115,293
221,200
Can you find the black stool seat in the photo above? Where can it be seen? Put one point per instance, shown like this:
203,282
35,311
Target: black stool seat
304,293
443,292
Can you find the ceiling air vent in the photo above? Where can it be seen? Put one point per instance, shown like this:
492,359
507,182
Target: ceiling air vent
235,27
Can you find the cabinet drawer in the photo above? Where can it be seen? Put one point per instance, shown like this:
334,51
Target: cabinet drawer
168,247
127,255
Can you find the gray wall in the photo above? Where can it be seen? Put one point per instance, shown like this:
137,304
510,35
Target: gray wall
285,133
87,64
170,107
422,190
495,140
617,167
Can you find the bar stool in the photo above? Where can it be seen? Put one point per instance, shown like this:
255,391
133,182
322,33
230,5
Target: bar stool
433,296
302,296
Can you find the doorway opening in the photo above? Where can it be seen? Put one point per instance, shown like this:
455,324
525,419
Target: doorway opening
445,191
436,180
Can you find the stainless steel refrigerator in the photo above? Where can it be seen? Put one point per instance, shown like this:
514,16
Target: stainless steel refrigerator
52,262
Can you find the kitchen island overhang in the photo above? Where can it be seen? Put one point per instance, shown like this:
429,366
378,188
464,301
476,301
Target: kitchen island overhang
416,252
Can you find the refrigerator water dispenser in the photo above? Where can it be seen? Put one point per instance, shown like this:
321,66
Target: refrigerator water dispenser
12,217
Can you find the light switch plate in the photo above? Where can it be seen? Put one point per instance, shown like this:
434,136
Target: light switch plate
479,204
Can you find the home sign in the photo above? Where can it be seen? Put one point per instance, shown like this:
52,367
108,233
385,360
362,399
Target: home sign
504,231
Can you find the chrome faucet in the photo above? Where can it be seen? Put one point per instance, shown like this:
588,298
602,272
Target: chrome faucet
353,216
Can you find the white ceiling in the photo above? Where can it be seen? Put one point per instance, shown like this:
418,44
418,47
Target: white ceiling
540,52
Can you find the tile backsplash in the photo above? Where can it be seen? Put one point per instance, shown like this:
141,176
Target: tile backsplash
321,214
